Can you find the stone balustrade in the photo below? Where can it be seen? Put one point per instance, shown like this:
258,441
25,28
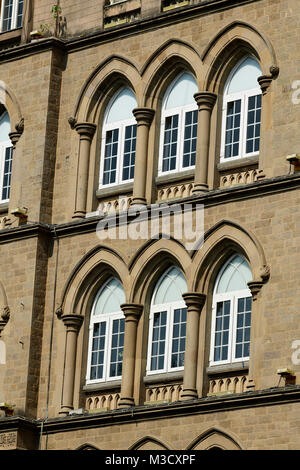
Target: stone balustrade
174,191
163,393
227,385
243,177
102,402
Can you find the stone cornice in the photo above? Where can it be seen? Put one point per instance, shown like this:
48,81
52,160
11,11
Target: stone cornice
102,36
269,397
211,198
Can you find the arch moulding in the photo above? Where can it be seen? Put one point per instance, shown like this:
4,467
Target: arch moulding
223,238
215,437
9,100
98,83
227,44
87,274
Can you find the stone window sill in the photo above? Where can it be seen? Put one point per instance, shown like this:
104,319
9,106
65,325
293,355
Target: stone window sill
163,378
174,177
10,36
99,387
114,190
227,368
4,208
239,163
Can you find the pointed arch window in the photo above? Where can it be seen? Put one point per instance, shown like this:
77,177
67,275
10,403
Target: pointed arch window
106,334
242,111
118,140
231,313
6,155
179,121
11,14
167,328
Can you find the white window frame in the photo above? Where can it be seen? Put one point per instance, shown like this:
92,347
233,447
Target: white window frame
233,298
121,126
181,111
170,308
108,319
14,15
244,97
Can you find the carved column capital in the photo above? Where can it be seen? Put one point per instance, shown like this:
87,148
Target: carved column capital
265,82
205,100
255,287
85,129
4,318
14,137
132,312
72,322
143,116
194,300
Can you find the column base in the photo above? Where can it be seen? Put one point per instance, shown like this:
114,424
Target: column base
126,402
189,394
138,201
65,410
79,215
200,188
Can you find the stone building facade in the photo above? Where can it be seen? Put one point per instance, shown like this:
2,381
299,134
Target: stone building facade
98,124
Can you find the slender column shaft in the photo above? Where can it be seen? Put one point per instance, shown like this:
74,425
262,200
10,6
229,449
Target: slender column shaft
73,324
205,102
144,117
194,303
86,131
132,314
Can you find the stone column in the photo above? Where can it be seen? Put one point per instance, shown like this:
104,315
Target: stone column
86,131
73,324
14,138
144,117
194,303
132,314
205,101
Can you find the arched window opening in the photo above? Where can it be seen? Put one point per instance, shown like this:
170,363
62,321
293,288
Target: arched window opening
118,140
179,126
106,334
231,319
242,111
6,155
167,331
11,14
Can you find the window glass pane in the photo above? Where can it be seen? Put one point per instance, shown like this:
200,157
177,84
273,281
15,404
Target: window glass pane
110,156
158,341
178,341
121,106
170,143
190,138
232,133
245,77
171,286
243,328
253,124
235,276
110,298
116,357
129,152
181,92
20,13
222,331
7,22
97,354
7,173
4,127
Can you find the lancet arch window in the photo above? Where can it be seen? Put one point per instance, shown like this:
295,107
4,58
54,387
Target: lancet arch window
11,14
167,327
179,119
6,156
241,117
231,313
106,334
118,140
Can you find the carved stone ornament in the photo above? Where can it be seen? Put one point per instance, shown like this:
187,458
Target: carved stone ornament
59,312
264,272
5,315
20,126
72,121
